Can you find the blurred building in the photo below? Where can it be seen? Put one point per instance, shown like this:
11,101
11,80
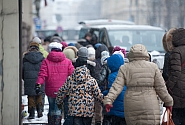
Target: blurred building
163,13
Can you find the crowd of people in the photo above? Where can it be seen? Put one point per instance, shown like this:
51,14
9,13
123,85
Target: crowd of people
94,84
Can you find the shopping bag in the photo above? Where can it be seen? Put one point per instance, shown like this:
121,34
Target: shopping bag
167,118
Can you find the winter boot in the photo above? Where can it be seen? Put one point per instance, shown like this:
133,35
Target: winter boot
98,123
50,120
39,110
58,119
32,113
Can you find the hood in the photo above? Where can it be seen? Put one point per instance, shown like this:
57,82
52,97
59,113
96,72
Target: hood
56,56
114,62
138,52
34,57
169,38
100,49
178,38
81,74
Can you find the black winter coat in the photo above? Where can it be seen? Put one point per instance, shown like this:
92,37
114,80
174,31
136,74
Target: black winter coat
165,73
31,67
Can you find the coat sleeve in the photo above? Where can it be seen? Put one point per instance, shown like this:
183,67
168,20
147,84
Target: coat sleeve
97,92
161,89
165,67
62,92
116,88
70,68
175,69
43,73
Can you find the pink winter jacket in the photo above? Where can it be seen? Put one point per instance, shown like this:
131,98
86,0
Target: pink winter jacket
54,71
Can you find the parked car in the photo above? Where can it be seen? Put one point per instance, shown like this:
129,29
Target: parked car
126,36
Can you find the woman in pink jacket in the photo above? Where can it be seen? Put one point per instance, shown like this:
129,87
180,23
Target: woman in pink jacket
54,71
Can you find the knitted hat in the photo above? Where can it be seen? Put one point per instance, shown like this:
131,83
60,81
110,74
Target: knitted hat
104,56
55,45
56,39
64,45
117,48
82,52
120,53
37,40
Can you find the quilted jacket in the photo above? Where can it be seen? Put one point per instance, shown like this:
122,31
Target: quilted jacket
54,71
83,90
144,82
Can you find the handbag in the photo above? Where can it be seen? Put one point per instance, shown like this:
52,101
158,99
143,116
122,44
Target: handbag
169,120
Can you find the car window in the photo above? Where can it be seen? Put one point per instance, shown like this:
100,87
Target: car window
126,39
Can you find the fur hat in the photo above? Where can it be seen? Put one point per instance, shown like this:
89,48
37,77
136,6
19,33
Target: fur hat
82,52
70,52
169,38
37,40
55,45
104,56
56,39
33,45
164,43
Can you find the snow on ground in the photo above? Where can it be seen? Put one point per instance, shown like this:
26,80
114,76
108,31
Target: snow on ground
43,119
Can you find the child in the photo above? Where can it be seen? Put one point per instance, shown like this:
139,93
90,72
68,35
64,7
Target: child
83,90
54,70
116,114
31,67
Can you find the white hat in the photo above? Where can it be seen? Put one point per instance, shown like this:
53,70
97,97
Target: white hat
119,52
104,56
91,51
37,40
55,45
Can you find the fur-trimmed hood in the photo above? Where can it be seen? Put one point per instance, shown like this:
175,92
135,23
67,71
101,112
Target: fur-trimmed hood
70,52
169,38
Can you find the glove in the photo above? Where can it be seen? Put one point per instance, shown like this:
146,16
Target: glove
37,89
108,107
170,108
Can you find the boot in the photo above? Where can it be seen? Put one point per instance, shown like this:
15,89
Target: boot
39,110
57,119
50,120
32,113
98,123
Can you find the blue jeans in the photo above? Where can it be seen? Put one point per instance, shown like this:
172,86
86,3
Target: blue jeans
53,108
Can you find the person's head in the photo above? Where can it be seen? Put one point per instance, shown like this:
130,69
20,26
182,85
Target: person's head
82,57
97,45
64,45
138,52
88,36
94,39
91,53
37,40
55,46
104,56
34,46
117,48
178,37
100,49
110,49
56,39
70,52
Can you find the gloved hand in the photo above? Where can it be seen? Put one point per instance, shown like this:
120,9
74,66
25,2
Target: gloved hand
108,107
170,108
37,89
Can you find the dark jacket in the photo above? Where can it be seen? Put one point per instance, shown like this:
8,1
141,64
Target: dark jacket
98,66
31,67
176,81
166,66
114,62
